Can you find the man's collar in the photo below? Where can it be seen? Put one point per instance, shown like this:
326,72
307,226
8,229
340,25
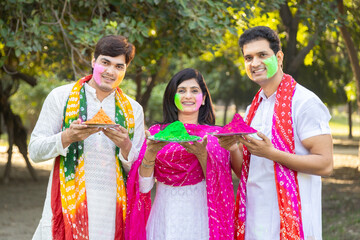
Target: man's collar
263,96
92,90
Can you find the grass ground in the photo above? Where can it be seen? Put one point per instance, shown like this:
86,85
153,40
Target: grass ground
341,191
339,125
341,196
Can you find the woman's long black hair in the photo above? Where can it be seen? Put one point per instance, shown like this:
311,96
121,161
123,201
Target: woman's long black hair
170,111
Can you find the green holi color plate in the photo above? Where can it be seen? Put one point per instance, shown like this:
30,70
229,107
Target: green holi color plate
175,132
175,139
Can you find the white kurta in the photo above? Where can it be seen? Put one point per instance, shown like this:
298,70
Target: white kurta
310,118
99,151
177,213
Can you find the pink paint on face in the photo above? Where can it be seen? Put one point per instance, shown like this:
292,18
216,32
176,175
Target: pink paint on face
119,79
98,70
199,100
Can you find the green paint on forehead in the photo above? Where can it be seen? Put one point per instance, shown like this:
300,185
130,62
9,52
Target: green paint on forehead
178,102
271,66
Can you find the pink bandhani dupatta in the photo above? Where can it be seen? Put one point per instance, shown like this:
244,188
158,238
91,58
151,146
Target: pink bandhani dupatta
286,179
176,167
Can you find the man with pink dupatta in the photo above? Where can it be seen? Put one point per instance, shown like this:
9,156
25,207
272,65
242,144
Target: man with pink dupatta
279,194
194,192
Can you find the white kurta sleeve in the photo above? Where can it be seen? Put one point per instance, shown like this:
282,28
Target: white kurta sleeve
45,141
312,119
139,137
146,183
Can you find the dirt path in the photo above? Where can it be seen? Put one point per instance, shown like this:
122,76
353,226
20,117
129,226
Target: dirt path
341,197
21,200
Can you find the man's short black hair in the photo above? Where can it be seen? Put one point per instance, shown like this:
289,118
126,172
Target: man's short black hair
258,33
114,46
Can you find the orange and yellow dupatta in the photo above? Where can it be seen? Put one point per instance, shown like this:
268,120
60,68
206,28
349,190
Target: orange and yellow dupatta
68,196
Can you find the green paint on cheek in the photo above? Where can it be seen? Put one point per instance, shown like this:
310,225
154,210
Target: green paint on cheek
178,102
271,66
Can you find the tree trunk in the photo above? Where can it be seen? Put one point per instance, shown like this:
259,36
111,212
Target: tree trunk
236,108
18,75
146,96
16,135
349,119
138,83
156,77
352,52
293,58
225,112
292,24
16,131
10,132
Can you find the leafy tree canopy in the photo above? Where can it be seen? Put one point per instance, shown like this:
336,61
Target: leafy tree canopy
55,39
314,51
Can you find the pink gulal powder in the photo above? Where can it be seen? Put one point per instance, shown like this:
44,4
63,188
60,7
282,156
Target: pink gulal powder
98,70
199,99
237,125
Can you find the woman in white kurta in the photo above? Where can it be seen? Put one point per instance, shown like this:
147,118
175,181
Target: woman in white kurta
194,194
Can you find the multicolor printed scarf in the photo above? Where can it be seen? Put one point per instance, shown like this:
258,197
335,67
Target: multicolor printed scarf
286,179
68,196
176,167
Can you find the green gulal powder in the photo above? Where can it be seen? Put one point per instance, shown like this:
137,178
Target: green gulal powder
174,132
271,66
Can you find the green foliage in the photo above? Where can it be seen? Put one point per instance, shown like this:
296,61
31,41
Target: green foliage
27,101
56,38
325,69
52,39
155,113
329,74
157,28
226,84
350,90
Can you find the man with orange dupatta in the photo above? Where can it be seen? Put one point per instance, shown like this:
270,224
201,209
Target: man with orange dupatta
279,194
86,195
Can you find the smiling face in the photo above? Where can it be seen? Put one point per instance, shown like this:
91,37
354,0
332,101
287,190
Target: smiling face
260,62
108,72
189,97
